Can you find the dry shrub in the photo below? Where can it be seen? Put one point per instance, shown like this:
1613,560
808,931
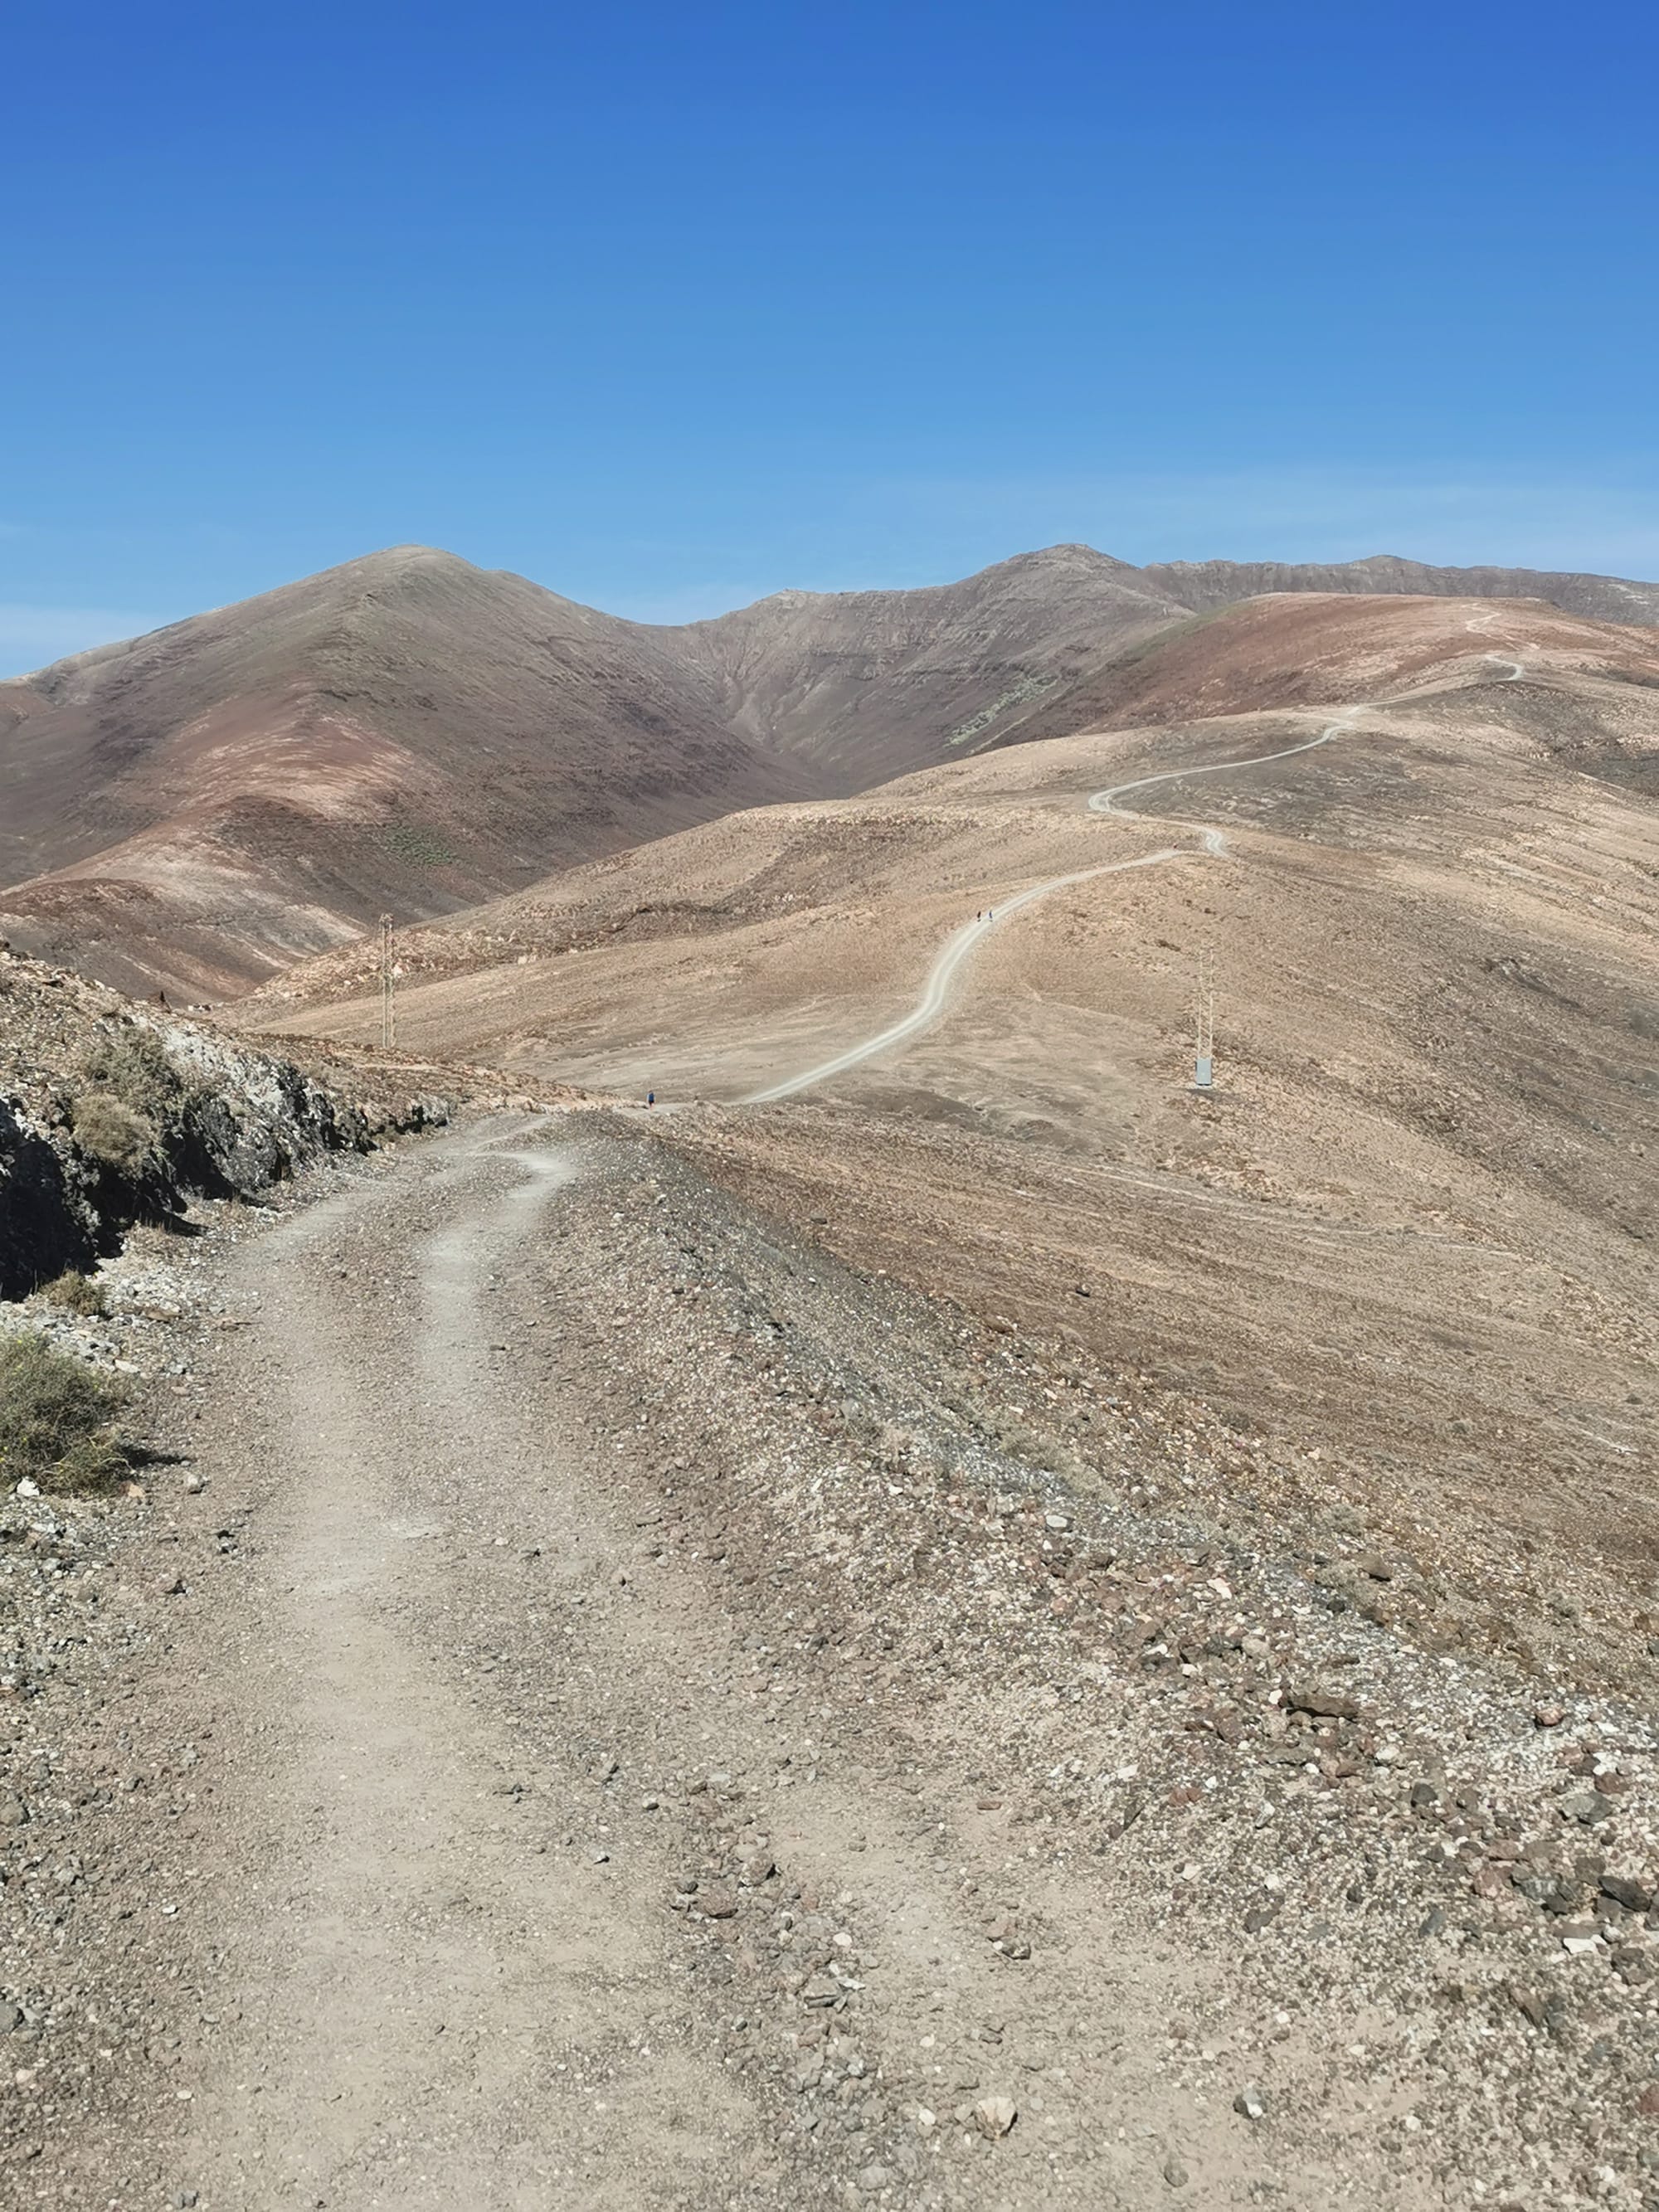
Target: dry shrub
76,1294
134,1068
111,1132
55,1416
1018,1440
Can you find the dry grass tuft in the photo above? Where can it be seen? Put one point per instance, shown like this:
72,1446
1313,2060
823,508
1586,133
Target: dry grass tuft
55,1417
76,1294
110,1132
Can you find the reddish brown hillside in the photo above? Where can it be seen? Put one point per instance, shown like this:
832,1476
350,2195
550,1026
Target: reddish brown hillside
1308,650
200,806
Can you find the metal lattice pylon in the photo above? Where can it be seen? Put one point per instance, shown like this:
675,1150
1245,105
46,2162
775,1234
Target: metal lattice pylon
1204,1056
388,1016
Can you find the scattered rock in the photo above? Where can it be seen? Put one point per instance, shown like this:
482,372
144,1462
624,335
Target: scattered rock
995,2116
1324,1705
1587,1807
1634,1896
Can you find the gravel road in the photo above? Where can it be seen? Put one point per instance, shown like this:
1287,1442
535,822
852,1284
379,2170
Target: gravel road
617,1740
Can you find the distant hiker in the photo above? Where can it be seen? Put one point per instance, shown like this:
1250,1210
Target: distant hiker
650,1097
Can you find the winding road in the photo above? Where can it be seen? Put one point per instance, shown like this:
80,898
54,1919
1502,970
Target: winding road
962,942
959,948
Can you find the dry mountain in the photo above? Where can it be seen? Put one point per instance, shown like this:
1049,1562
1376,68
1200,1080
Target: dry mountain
200,807
1202,585
203,804
1418,839
863,686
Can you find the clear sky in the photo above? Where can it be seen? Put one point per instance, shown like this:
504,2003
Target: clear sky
668,305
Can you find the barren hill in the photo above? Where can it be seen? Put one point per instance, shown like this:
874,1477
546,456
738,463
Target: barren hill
939,1583
867,686
203,804
1430,898
199,808
1594,703
1201,585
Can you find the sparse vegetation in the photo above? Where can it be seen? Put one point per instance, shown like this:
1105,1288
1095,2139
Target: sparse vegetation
55,1417
421,846
135,1069
1018,1440
1025,689
110,1131
76,1293
133,1091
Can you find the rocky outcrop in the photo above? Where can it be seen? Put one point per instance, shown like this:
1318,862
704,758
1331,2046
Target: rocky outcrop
42,1231
111,1113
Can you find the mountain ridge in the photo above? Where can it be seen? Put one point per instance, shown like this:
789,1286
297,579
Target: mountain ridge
409,733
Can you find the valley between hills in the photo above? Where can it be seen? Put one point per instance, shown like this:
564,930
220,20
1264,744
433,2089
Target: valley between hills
938,1616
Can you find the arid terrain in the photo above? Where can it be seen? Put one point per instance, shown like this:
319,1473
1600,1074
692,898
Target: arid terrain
196,809
1418,1201
937,1618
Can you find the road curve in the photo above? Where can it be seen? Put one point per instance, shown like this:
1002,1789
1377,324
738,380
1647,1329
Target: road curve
960,946
1105,802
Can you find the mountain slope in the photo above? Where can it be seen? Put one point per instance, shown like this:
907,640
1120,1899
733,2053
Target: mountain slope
1419,1204
201,806
867,686
1590,694
407,733
1202,585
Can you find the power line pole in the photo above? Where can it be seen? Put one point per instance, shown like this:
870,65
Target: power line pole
1204,1068
388,1013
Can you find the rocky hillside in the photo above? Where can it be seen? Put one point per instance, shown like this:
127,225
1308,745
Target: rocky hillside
1202,585
863,686
112,1113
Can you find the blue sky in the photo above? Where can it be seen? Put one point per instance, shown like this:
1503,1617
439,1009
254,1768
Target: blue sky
673,308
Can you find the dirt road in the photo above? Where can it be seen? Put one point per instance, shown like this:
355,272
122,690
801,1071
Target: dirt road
478,1786
959,948
961,945
623,1742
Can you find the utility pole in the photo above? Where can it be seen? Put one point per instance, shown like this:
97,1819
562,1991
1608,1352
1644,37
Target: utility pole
1204,1068
388,1015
